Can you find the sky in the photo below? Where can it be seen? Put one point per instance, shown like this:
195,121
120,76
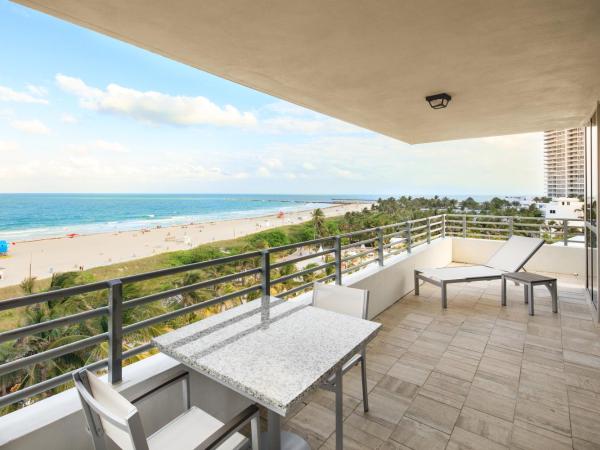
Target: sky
82,112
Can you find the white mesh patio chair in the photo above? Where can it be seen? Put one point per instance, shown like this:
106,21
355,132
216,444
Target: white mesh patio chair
511,257
109,414
352,302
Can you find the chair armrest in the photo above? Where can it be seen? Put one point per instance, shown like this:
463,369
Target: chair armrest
229,428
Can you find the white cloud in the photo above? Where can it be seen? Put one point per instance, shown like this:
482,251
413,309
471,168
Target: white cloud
289,118
116,147
40,91
10,95
263,172
30,126
273,163
343,173
154,107
8,146
68,118
323,124
98,145
308,166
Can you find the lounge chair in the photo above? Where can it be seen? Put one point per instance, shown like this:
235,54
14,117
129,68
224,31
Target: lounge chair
511,257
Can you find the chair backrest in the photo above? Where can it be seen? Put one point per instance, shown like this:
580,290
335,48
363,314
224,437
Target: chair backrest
341,299
110,413
514,253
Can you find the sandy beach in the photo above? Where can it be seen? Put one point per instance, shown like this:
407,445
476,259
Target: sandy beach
63,254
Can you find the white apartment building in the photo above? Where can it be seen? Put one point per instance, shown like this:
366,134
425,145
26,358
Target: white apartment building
564,162
563,208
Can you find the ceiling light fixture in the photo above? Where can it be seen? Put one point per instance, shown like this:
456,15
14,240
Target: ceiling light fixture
438,101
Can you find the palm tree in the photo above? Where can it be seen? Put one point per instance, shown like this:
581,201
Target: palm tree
318,220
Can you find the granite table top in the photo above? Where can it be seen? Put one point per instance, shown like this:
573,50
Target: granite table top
273,352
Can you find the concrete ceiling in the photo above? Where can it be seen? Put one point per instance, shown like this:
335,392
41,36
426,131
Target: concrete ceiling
511,66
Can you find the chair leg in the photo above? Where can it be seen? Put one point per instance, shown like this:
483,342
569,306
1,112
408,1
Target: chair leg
416,282
444,296
255,431
363,373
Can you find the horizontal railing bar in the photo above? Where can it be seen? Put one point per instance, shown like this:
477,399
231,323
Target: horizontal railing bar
46,385
502,230
300,273
397,233
188,288
359,232
393,225
188,267
414,237
359,243
49,324
302,258
515,217
359,255
137,350
305,285
420,227
50,354
359,266
300,244
51,295
179,312
477,222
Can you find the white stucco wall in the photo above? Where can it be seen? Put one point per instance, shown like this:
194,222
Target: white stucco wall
396,279
550,258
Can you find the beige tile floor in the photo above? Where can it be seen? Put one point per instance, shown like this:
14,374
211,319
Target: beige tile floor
476,376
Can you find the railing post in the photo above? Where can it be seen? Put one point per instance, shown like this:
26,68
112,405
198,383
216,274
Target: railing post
265,264
408,238
115,331
566,232
380,246
429,230
443,226
337,246
511,224
464,226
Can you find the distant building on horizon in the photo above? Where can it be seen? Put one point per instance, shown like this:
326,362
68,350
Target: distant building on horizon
564,162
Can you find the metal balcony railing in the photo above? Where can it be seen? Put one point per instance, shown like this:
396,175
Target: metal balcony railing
340,255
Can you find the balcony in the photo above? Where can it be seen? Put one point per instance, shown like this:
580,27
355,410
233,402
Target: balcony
466,375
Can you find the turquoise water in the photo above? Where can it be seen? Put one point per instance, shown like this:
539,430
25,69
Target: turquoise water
34,216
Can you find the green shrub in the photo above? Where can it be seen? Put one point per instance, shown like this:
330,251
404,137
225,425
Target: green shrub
272,238
194,255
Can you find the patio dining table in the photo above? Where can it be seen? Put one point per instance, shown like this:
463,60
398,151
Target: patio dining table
274,353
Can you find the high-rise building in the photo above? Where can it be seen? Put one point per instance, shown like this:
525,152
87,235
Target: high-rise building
564,162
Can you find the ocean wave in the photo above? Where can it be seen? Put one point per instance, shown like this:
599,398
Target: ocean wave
150,221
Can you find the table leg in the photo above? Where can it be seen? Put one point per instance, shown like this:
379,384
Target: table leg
526,293
530,299
339,410
274,431
554,293
503,291
444,296
275,439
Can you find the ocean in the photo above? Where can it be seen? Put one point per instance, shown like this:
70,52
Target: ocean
37,216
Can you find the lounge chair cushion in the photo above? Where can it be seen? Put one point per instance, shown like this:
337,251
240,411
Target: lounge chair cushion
465,273
514,253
